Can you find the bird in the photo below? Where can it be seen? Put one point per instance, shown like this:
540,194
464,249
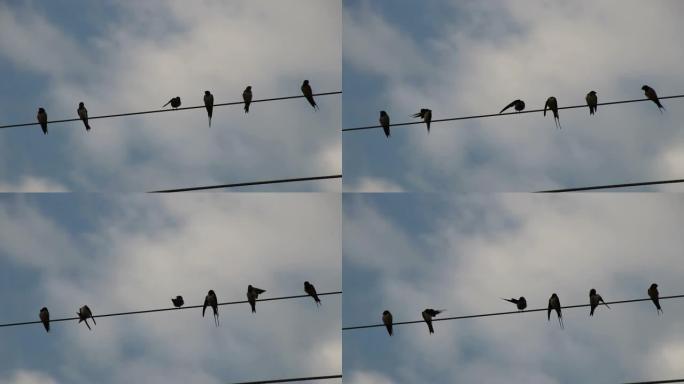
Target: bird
385,123
175,102
387,320
247,97
594,300
311,291
428,314
45,318
252,294
42,119
655,297
426,115
211,301
308,93
517,104
178,301
83,114
592,102
208,104
520,303
652,95
554,304
552,104
83,314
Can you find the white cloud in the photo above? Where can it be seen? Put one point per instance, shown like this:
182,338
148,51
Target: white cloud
28,377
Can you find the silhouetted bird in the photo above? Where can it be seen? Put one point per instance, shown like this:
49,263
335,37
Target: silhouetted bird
385,123
655,297
308,93
42,119
520,303
387,320
83,314
178,301
252,294
208,104
552,104
652,95
426,115
517,104
83,114
594,300
211,301
592,102
428,314
45,318
175,102
247,97
311,291
554,304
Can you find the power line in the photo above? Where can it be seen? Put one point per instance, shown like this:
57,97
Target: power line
658,382
503,114
578,189
169,309
291,380
167,110
503,313
244,184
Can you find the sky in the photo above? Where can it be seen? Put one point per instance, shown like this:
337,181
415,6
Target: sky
134,252
408,252
133,56
469,57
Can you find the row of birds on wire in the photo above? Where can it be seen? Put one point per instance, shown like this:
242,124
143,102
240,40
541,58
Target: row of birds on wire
175,103
521,303
210,301
519,105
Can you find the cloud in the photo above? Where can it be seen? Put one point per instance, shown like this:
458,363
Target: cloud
28,377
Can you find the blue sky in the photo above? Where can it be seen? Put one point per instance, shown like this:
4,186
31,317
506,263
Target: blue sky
407,252
466,57
131,56
136,252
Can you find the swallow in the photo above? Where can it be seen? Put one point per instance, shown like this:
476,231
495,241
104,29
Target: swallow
552,104
208,104
655,297
178,301
311,291
428,314
385,123
175,102
517,104
45,318
83,314
426,115
554,304
252,294
247,97
42,119
520,303
594,300
308,93
83,114
652,95
211,301
387,320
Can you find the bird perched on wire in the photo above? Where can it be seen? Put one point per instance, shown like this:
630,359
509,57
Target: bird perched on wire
520,303
308,93
653,96
426,115
42,119
592,102
44,316
655,297
83,314
175,102
387,320
252,294
594,300
517,104
552,104
211,301
208,104
178,301
428,314
247,97
385,123
83,115
554,304
311,291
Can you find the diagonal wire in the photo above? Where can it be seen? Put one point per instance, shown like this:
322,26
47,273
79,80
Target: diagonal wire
245,184
169,309
657,382
579,189
310,378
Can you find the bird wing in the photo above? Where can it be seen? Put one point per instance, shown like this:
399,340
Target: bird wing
508,106
206,303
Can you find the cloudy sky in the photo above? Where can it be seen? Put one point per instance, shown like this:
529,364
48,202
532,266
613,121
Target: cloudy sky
467,57
132,56
409,252
136,252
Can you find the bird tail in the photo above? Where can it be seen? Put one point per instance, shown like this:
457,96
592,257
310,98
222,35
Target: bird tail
432,330
87,126
87,325
93,320
428,127
209,121
660,106
167,103
216,319
246,108
416,115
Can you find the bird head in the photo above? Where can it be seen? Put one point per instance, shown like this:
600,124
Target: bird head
383,113
207,93
554,296
306,82
385,312
654,285
592,93
645,87
249,88
592,292
522,298
41,110
81,105
44,309
211,292
307,283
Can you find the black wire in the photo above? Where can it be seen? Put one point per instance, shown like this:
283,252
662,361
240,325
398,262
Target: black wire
169,309
657,382
291,380
503,313
278,181
503,114
167,110
577,189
